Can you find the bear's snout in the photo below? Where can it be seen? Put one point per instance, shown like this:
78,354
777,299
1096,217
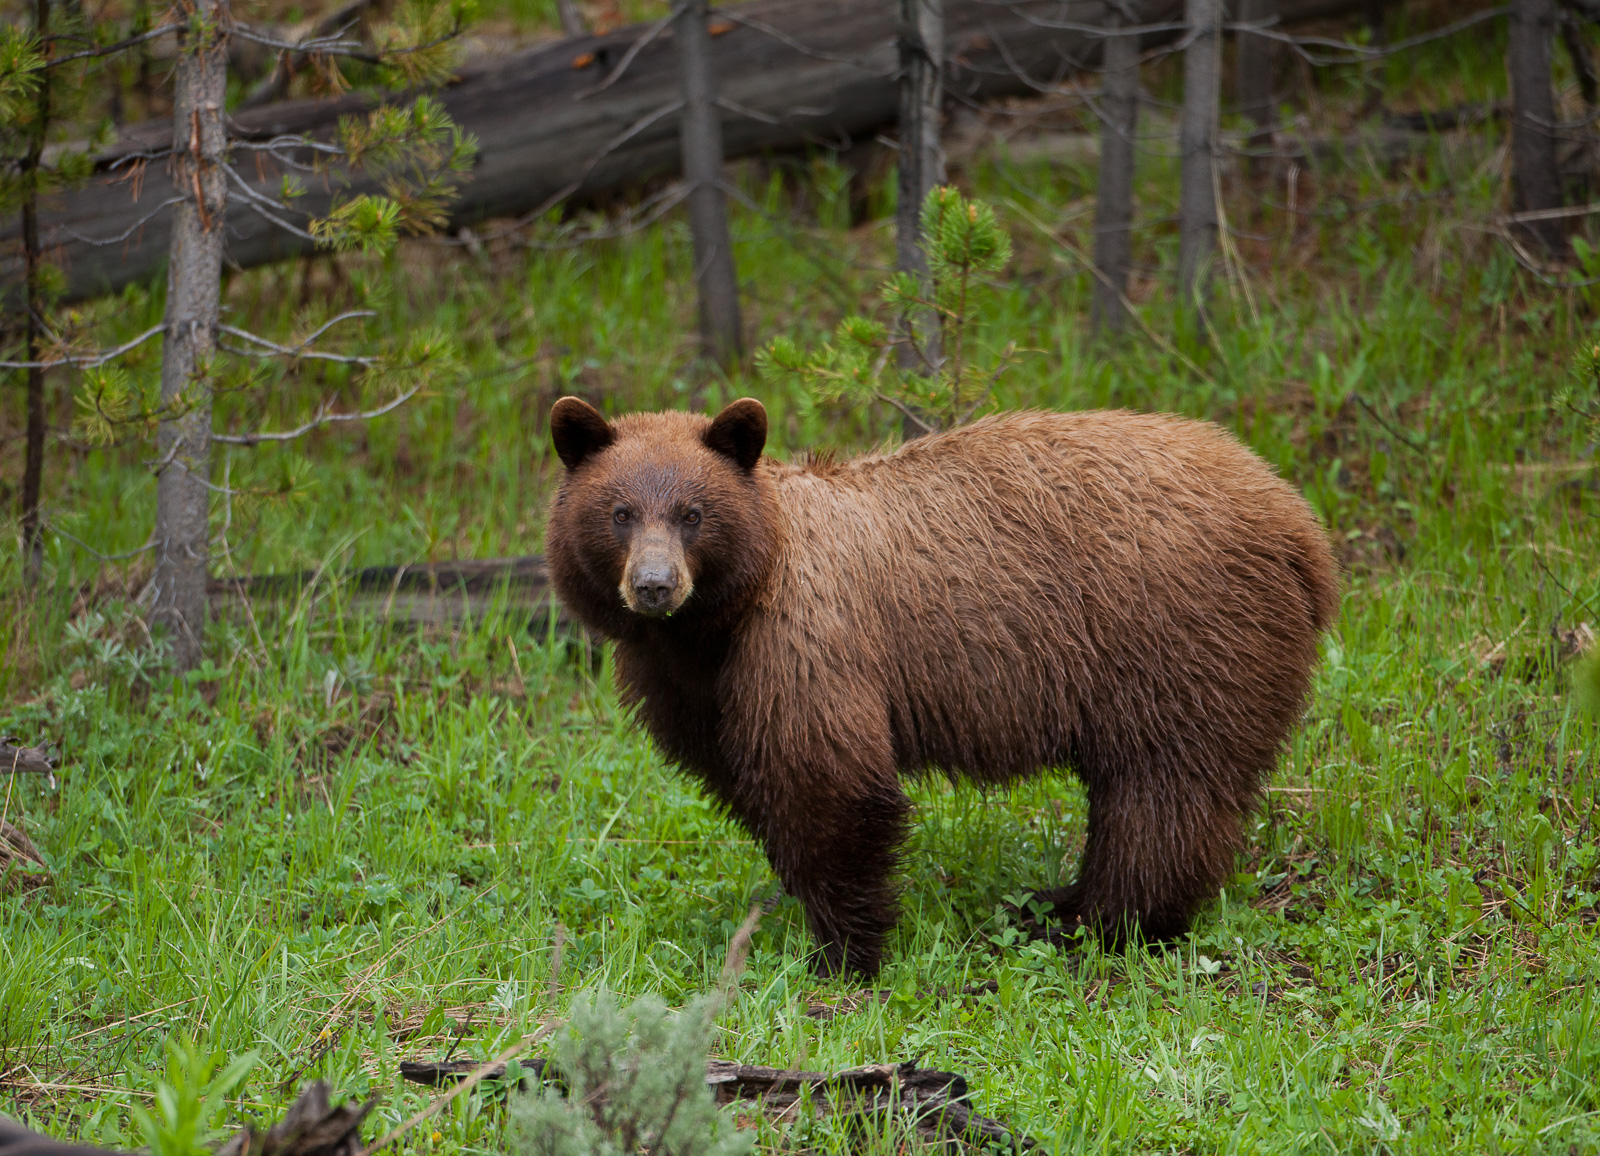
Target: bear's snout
656,582
653,587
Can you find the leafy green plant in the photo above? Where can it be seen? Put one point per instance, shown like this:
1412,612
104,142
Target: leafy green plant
636,1082
189,1101
966,247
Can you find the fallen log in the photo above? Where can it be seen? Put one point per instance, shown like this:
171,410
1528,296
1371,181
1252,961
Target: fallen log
311,1127
22,868
584,117
436,592
13,758
937,1104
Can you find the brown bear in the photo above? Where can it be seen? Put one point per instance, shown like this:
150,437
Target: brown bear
1135,597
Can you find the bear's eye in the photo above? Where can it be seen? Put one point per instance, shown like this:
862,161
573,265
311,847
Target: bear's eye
692,518
620,515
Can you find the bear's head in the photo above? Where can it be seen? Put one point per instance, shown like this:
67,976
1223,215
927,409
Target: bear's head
660,515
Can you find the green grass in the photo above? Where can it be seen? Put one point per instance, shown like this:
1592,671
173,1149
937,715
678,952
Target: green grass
354,843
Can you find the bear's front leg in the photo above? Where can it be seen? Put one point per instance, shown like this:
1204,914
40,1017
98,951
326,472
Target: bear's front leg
836,852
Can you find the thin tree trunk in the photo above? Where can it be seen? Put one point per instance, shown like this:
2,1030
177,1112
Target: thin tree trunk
194,289
33,455
721,330
1197,134
1372,71
1253,72
1582,62
920,41
1535,179
1113,210
1572,37
571,19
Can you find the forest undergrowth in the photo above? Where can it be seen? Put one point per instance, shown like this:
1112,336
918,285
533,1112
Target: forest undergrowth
347,841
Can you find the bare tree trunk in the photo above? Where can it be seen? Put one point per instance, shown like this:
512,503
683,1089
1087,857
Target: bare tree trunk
1197,135
1535,179
1572,37
1582,61
33,455
571,19
920,41
194,289
1372,71
1113,210
721,330
1253,72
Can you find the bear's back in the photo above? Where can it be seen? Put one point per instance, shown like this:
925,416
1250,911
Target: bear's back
992,588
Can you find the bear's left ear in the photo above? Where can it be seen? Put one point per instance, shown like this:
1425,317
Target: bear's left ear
739,432
578,430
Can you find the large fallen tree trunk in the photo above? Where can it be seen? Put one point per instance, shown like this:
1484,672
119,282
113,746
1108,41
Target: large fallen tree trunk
436,592
582,117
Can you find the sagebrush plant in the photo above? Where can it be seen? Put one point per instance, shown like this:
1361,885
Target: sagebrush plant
635,1082
948,381
185,1118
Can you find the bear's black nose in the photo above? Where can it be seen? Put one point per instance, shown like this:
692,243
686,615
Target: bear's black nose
653,587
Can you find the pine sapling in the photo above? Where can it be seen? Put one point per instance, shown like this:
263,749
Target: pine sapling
947,381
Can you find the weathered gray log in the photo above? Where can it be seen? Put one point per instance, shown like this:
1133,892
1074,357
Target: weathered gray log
311,1127
430,592
937,1104
21,866
818,73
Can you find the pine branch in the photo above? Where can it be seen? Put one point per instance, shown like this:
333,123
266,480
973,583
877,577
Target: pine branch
88,360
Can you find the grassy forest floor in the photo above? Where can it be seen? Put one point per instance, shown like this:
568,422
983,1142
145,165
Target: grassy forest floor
348,841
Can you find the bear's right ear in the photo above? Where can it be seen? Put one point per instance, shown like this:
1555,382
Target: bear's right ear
578,430
739,432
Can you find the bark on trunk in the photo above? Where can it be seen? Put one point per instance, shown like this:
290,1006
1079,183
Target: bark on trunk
1197,135
548,130
1535,179
33,454
1372,70
920,46
1582,61
1113,211
721,331
194,287
1253,75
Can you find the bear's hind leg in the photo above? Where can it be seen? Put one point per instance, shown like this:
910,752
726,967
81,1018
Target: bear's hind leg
1161,842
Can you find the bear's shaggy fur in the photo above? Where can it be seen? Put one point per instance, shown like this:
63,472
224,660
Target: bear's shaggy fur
1135,597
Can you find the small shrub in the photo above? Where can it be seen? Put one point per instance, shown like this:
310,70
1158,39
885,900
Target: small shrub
635,1082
